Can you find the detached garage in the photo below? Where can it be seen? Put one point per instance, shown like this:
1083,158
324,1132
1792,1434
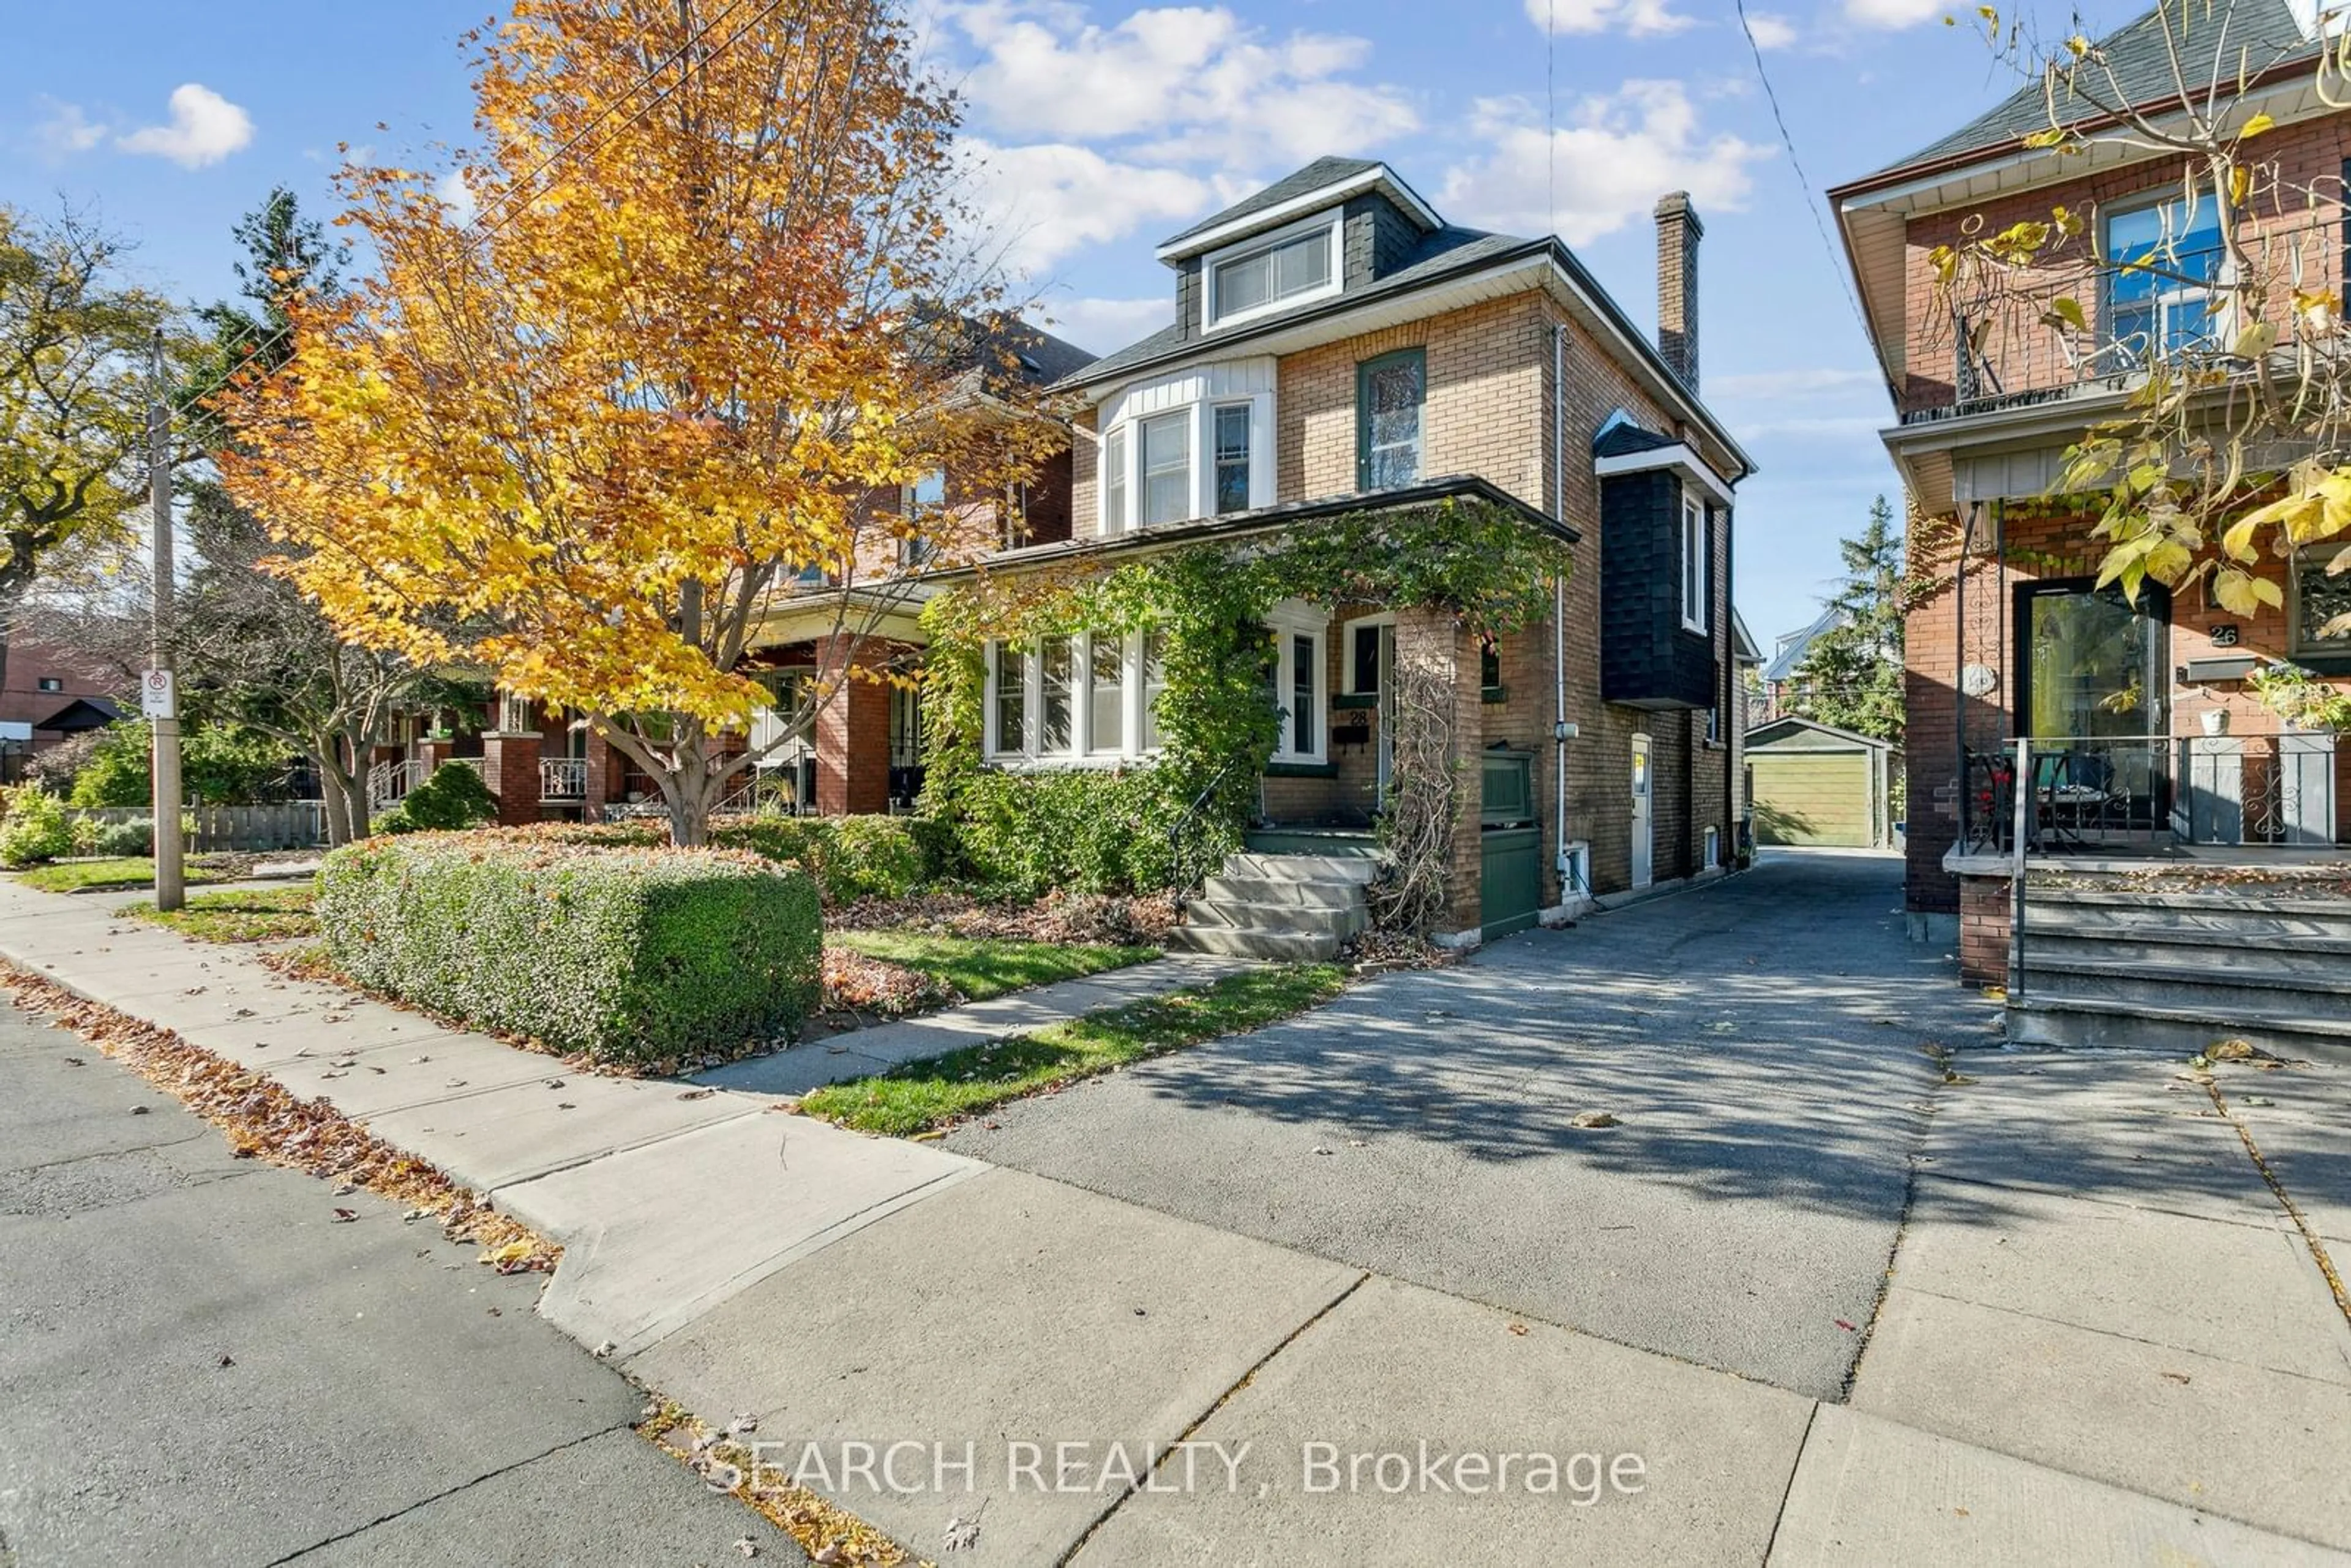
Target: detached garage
1814,784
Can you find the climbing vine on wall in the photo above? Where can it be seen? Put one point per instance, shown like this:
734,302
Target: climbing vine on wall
1110,830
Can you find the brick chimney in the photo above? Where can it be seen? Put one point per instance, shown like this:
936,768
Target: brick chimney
1678,232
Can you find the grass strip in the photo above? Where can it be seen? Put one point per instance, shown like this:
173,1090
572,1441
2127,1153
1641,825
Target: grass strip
107,874
253,914
938,1091
980,968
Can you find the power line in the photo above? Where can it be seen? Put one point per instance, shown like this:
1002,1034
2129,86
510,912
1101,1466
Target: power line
1812,202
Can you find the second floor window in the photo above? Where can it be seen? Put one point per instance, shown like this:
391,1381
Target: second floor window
1114,461
2162,261
1233,457
1389,394
923,505
1698,547
1165,461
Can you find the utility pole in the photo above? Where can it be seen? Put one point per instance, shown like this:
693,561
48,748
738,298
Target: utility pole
161,693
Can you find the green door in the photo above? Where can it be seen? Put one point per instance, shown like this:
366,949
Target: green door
1511,885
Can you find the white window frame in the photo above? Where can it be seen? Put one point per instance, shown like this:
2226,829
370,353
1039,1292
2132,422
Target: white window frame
1331,221
1698,545
920,547
1287,623
1188,421
1347,686
1118,506
1126,650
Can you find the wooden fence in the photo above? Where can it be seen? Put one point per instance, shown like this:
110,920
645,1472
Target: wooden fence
295,825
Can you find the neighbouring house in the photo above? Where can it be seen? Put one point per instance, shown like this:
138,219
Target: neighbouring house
1343,363
2146,746
52,694
1785,685
852,629
1814,784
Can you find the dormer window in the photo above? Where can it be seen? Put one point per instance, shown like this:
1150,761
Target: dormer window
1268,272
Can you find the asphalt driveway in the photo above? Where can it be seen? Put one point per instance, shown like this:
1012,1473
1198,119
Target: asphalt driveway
1764,1044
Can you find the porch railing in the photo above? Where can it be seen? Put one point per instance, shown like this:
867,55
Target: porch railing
563,777
388,783
2070,792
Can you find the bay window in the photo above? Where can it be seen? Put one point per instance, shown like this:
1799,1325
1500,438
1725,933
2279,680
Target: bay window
1092,696
1232,457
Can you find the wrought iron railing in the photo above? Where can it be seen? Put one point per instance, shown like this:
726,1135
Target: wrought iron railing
1183,841
388,783
2074,791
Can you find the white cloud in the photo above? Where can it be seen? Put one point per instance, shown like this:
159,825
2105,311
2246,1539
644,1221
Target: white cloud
1771,31
67,130
1775,386
205,128
1897,13
1620,154
1196,82
1640,18
454,194
1045,201
1103,326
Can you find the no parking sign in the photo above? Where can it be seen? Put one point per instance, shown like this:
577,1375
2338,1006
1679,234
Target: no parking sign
159,695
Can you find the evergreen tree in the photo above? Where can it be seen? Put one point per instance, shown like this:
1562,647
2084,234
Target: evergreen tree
1852,674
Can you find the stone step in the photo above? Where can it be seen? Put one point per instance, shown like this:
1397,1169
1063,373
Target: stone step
2239,925
1302,868
1342,921
1234,941
1304,894
2185,1026
2200,948
2229,1001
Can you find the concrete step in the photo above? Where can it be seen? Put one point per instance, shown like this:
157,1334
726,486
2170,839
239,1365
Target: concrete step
1302,894
2199,949
2225,999
1302,868
2201,911
1233,942
2184,1026
1343,922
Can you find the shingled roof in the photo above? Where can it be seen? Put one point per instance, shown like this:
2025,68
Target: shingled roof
2259,33
1313,177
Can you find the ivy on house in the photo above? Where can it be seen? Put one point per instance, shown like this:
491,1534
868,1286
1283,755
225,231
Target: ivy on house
1133,827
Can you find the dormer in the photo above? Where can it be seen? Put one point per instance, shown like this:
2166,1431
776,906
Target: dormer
1337,226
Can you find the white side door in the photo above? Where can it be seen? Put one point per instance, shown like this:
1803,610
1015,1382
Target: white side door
1642,847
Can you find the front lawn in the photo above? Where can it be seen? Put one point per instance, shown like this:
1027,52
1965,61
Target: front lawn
980,968
109,873
256,915
919,1096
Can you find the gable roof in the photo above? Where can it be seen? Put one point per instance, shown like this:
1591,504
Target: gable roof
1777,729
1623,438
82,713
2138,57
1313,177
1794,645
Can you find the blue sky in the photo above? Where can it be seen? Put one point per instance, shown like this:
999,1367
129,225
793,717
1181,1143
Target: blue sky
1103,128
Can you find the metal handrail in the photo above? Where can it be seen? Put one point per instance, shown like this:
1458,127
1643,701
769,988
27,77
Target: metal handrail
1185,880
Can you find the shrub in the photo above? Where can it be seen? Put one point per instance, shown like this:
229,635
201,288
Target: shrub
631,954
1080,830
452,796
221,765
135,837
849,857
38,830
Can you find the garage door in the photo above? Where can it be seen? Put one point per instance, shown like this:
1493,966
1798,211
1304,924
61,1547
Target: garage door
1811,798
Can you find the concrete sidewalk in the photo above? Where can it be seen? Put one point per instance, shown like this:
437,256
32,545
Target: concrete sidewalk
2102,1341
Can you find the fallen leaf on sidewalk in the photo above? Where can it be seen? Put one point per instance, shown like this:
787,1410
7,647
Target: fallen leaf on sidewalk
1519,1329
139,1109
344,1215
697,1094
1590,1120
76,1061
227,1360
747,1547
2178,1377
1845,1325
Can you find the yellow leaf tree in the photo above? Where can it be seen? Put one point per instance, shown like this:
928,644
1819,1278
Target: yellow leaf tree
597,439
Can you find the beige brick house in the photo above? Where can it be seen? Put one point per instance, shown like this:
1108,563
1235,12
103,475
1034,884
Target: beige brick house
1339,348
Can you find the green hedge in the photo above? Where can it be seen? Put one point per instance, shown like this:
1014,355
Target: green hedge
452,795
849,857
627,954
1082,829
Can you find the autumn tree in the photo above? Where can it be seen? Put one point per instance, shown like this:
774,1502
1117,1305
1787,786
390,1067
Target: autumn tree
1850,676
2235,439
75,345
649,410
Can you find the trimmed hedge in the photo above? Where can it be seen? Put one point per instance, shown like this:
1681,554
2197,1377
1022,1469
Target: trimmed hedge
627,954
849,857
1079,829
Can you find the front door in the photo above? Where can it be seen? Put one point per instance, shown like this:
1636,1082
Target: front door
2094,681
1642,848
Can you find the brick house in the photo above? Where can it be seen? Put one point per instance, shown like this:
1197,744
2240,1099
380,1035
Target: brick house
52,694
2015,639
1338,349
863,749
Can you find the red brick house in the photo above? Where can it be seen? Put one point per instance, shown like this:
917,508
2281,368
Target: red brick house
1339,348
2151,746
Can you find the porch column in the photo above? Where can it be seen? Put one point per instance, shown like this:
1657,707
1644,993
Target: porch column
604,769
1433,640
852,734
510,763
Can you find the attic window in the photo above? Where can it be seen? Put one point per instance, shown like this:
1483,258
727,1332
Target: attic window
1265,272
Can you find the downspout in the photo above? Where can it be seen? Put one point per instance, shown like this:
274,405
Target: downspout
1561,861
